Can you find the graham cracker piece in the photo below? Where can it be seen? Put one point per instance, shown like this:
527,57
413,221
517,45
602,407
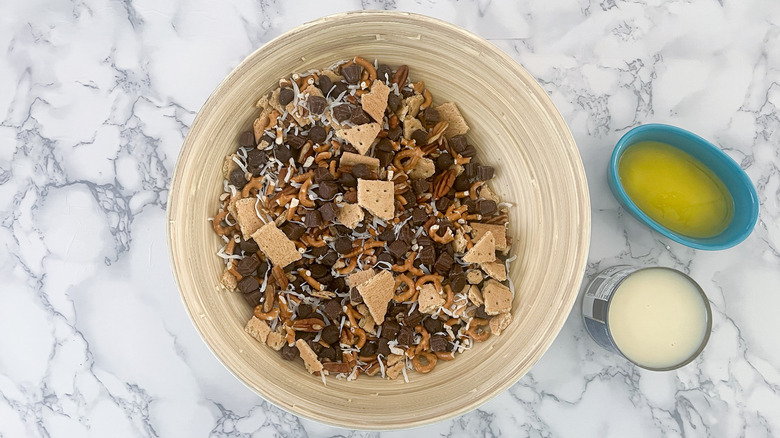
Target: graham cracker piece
499,322
258,329
488,194
360,277
309,356
360,136
410,106
377,197
375,101
275,245
499,233
449,112
459,244
229,280
246,216
496,270
264,102
482,251
350,215
260,125
411,124
425,168
376,293
367,321
430,299
228,165
498,298
395,370
475,295
474,276
276,339
350,159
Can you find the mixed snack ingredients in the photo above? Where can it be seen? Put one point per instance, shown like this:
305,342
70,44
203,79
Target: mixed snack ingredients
358,225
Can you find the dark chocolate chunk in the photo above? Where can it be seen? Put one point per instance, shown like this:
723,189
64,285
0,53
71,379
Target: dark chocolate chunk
352,73
319,251
396,310
289,352
431,115
420,137
266,138
359,116
406,234
354,296
342,112
384,72
411,199
393,101
472,205
286,96
419,216
398,249
347,180
428,255
443,263
338,285
318,270
327,189
338,89
469,151
329,211
332,310
485,173
255,158
303,311
395,133
246,139
461,183
283,154
249,246
487,208
327,353
480,313
405,336
387,235
458,143
443,203
295,141
293,231
317,104
317,134
384,145
237,178
439,343
457,282
420,186
324,84
351,196
330,334
414,319
253,298
248,284
407,92
248,265
341,230
312,219
470,169
384,157
382,347
385,257
361,171
322,174
444,162
433,325
343,245
390,329
368,349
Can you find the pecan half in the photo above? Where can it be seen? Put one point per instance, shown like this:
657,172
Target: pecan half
443,183
308,325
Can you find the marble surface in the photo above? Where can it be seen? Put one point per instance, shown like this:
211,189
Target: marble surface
97,96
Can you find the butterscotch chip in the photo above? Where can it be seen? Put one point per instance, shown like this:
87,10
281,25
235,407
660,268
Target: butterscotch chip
499,322
258,329
474,276
496,270
375,101
309,356
498,298
275,245
449,112
429,299
360,136
394,371
360,277
475,295
499,234
275,339
246,216
482,251
411,124
424,168
377,197
376,293
350,215
350,159
229,280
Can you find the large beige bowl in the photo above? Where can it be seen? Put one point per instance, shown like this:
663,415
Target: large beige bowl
515,128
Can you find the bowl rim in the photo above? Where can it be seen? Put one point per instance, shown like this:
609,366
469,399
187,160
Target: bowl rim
579,261
620,194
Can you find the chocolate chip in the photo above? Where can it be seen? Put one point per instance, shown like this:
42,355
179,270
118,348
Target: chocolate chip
414,319
327,353
410,198
428,255
431,116
303,311
342,112
286,96
469,151
330,334
332,310
322,174
318,270
283,154
317,134
398,249
382,347
256,158
289,352
487,208
458,143
485,173
406,336
384,72
248,265
385,257
312,219
419,216
384,157
439,343
338,285
368,349
470,169
248,284
420,186
317,104
359,117
319,251
443,203
433,325
249,246
480,313
361,171
443,263
293,231
420,137
461,183
352,73
246,139
338,89
295,141
354,296
395,133
343,245
351,195
324,84
327,189
253,298
329,211
387,235
347,180
396,310
406,234
393,102
384,145
472,205
237,178
457,282
407,92
444,162
390,329
330,258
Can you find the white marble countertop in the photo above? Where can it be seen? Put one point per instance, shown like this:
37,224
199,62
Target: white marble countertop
96,98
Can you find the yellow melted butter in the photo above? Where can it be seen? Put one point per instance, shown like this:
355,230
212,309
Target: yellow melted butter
675,189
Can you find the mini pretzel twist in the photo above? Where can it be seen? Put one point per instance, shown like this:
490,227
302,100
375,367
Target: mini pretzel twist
428,99
350,267
477,330
409,263
425,340
255,183
280,277
430,278
413,155
303,194
368,66
427,368
266,316
216,223
410,289
306,275
445,239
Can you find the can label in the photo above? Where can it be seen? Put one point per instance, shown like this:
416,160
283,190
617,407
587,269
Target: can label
595,302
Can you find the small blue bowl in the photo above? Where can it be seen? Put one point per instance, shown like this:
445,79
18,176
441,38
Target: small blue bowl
735,179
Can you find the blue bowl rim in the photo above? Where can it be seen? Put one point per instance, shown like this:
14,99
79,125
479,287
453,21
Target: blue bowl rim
692,242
